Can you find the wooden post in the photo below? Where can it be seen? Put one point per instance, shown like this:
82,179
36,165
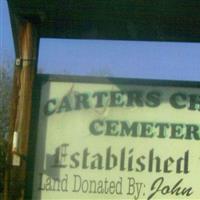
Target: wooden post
13,112
21,109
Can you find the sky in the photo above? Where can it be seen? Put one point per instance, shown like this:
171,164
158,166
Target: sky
133,59
6,40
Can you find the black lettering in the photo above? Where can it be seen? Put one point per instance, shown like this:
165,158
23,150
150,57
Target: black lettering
82,101
74,159
85,158
167,163
192,129
116,99
146,129
176,131
151,161
162,129
97,162
111,159
194,102
50,107
153,99
128,129
100,98
96,127
111,128
183,161
65,105
178,100
141,165
135,98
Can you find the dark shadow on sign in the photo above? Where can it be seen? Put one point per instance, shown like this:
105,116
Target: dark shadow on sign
36,138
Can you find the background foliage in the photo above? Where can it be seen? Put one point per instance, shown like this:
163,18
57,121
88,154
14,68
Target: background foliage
5,93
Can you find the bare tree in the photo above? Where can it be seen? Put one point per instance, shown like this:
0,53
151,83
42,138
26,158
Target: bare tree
101,72
5,92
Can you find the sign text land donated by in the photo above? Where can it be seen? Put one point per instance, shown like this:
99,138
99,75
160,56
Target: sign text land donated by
117,141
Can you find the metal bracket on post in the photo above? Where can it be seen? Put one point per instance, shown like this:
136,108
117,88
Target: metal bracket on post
16,156
19,61
15,147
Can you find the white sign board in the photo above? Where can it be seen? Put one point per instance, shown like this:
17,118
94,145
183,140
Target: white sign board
121,140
